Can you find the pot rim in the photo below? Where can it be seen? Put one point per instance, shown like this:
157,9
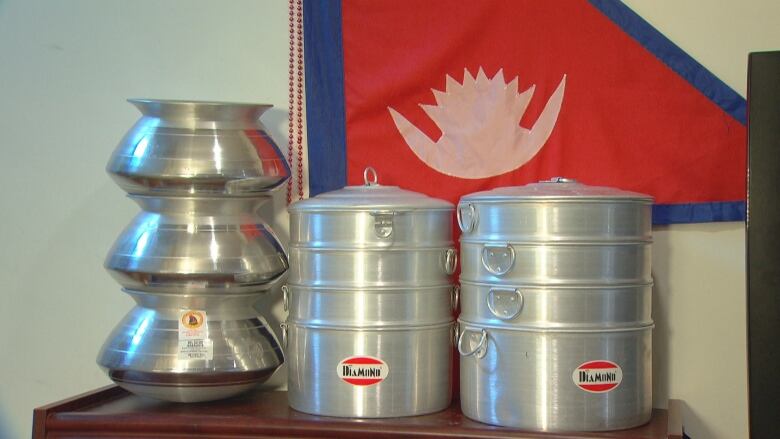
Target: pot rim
536,242
382,249
354,289
468,325
388,328
196,102
511,201
548,286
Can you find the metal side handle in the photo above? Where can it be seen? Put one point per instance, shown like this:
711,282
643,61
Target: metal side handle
455,296
383,223
286,297
284,327
450,261
455,333
467,217
504,303
479,351
498,260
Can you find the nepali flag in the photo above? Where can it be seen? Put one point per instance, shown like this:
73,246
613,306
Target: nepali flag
450,97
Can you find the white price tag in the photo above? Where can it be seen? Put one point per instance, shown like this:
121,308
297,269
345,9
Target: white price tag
194,342
196,350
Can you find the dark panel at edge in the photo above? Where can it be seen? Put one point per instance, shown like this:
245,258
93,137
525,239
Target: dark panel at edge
763,243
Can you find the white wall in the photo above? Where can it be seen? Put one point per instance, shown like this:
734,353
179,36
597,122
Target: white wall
699,301
65,69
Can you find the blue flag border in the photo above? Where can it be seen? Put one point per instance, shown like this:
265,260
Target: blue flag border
326,117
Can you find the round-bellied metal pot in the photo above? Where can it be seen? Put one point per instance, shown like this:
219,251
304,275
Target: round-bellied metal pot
198,148
197,245
190,348
374,372
556,380
375,307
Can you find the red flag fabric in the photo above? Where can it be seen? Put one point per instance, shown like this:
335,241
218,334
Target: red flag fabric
430,103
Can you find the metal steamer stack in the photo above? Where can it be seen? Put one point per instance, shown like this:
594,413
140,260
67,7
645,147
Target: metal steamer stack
198,255
555,326
370,330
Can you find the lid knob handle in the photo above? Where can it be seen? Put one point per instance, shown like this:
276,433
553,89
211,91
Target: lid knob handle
369,176
560,180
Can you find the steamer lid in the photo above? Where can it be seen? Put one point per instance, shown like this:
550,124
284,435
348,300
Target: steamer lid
557,188
370,196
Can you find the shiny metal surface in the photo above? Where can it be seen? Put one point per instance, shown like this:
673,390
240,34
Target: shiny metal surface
551,220
524,378
556,276
364,268
189,147
552,307
371,216
558,189
375,307
219,306
556,210
371,196
141,354
366,229
556,264
419,379
197,244
370,281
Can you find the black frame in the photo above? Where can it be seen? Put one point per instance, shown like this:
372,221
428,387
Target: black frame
763,244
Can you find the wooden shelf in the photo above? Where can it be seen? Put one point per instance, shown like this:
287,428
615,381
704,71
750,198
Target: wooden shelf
111,412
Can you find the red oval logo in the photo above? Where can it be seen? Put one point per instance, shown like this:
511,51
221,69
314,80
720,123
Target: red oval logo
597,376
362,370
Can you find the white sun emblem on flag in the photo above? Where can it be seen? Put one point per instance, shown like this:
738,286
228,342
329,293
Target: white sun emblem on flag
480,125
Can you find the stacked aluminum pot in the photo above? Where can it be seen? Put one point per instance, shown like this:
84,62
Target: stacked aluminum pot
555,326
198,255
370,330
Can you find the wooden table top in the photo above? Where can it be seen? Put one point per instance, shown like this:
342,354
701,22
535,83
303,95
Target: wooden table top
112,412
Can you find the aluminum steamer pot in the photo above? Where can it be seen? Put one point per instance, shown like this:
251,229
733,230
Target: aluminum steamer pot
375,307
556,307
371,372
190,348
584,307
198,148
371,236
556,380
370,297
556,263
556,210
